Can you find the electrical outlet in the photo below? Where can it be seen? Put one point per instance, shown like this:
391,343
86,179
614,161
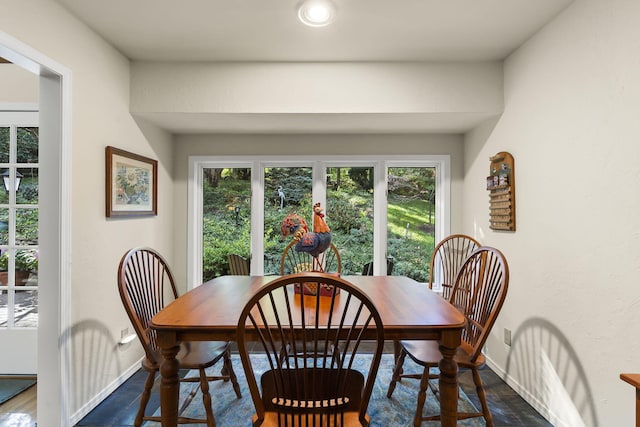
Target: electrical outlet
507,336
124,332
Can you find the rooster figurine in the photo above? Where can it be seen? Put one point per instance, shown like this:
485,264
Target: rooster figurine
314,242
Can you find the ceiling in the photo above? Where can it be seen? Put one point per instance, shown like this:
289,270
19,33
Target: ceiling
268,30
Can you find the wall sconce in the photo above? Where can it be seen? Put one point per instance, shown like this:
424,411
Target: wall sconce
6,178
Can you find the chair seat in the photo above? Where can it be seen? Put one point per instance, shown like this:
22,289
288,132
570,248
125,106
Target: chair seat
350,419
427,353
198,354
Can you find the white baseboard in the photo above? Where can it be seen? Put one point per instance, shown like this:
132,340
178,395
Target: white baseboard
539,406
104,393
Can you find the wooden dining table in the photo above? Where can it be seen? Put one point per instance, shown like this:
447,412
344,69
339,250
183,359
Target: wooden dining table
209,312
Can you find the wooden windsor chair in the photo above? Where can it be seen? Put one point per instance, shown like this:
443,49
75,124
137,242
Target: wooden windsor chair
479,293
146,285
448,256
293,261
238,265
332,384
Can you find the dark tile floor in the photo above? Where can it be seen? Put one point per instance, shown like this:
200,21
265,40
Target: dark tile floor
507,407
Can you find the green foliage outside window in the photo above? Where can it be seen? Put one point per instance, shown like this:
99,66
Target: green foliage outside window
349,215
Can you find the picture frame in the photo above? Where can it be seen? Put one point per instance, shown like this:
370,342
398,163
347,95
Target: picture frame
131,184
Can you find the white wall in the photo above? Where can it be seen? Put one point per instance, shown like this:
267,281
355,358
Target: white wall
572,102
17,86
316,87
101,117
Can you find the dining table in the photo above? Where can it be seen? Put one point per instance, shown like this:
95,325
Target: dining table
210,312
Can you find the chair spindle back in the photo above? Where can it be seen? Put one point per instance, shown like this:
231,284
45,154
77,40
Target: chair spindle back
146,286
448,256
479,293
319,388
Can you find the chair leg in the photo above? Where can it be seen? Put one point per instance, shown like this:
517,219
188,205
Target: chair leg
144,398
227,369
422,397
483,399
206,398
397,371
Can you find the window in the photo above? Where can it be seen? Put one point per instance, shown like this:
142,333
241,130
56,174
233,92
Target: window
351,215
411,219
286,190
379,210
226,217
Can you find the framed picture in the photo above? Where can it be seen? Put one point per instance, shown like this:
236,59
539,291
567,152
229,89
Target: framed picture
132,184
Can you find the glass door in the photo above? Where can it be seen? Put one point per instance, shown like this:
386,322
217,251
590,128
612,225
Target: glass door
411,213
19,242
350,216
287,190
226,218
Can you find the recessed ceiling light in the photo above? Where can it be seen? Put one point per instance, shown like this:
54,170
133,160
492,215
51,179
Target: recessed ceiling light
316,13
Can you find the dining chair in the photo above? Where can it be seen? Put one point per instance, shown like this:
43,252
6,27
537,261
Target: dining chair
479,293
294,261
367,269
448,256
238,265
146,286
325,388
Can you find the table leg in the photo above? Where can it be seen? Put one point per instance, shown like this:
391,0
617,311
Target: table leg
397,348
169,387
448,387
637,408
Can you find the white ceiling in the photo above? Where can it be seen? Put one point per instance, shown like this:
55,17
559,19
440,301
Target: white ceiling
268,30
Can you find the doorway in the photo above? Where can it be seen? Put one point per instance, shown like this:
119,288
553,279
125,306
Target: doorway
53,353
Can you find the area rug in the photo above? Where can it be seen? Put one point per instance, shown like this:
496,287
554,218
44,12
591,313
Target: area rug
10,387
397,411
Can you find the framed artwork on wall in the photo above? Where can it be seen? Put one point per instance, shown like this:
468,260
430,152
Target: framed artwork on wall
131,184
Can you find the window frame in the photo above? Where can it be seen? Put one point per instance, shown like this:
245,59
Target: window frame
257,164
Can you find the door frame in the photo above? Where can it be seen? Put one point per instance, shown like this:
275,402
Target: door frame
54,311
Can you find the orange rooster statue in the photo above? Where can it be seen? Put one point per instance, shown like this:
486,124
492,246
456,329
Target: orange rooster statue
314,242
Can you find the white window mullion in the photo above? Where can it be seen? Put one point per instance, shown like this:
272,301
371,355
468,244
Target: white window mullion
380,218
194,238
319,187
257,218
443,198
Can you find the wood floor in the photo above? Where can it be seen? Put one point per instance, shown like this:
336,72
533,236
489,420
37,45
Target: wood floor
119,409
20,411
